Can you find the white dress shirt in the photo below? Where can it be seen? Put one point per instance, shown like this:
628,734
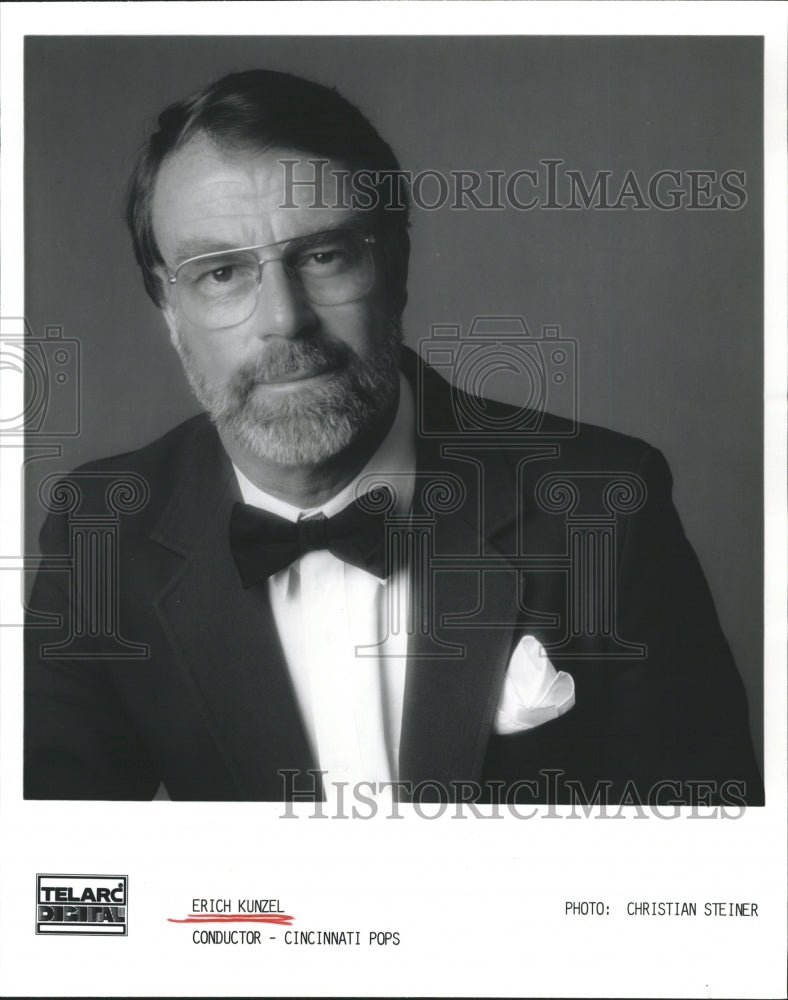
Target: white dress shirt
348,672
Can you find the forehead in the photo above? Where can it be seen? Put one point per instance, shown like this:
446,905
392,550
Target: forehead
208,198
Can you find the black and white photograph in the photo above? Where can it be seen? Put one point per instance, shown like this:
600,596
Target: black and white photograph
393,441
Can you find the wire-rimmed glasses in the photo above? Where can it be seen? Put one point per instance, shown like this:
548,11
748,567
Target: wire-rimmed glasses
220,289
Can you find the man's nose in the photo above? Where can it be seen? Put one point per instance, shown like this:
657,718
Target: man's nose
282,307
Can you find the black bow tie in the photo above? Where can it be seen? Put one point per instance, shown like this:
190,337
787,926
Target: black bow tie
263,543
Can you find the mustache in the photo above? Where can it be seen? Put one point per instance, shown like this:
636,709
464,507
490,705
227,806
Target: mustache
281,358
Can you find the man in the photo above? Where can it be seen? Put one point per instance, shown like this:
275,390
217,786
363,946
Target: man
319,587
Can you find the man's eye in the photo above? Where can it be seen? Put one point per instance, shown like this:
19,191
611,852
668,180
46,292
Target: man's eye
326,260
323,256
221,275
215,275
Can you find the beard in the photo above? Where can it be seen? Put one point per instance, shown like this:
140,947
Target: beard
312,423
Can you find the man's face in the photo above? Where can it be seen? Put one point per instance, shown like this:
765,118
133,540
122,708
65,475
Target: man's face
295,383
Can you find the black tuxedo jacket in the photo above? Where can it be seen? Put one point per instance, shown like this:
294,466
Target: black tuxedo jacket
208,708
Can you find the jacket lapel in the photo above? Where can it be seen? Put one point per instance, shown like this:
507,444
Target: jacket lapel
224,637
450,701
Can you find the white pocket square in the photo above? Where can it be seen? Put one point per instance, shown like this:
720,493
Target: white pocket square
533,692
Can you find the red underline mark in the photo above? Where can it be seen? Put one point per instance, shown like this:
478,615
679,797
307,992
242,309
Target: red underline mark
233,918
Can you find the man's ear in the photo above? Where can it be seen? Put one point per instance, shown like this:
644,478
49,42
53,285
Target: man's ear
167,305
171,319
396,257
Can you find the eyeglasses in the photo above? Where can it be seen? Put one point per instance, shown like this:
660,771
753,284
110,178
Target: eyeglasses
221,289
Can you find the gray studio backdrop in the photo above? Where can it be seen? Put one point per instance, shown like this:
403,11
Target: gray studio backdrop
666,306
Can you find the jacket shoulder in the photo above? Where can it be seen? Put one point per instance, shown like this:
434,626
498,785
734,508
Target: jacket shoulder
136,482
572,445
583,444
449,412
156,455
